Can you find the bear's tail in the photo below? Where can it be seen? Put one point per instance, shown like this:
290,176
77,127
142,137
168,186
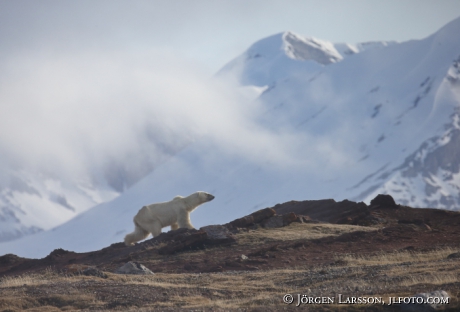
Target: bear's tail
138,235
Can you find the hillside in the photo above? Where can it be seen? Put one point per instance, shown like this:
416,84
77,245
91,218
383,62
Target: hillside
345,248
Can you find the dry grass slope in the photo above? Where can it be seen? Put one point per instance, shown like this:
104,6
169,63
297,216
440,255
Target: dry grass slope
376,274
298,231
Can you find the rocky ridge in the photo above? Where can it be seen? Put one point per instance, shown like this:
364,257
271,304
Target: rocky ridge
391,227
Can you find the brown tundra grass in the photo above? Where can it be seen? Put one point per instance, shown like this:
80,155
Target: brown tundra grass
401,273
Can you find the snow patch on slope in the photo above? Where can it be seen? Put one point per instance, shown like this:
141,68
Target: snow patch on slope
429,177
347,49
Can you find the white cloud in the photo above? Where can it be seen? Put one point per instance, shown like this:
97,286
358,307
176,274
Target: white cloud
83,112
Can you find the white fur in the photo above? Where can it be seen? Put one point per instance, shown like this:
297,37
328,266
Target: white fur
175,213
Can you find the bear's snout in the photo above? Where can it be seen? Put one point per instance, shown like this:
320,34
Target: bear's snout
210,197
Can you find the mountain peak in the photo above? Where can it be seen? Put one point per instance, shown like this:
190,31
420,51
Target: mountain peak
308,48
275,57
295,47
278,56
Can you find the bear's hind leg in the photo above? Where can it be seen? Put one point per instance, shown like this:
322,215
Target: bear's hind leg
138,235
154,228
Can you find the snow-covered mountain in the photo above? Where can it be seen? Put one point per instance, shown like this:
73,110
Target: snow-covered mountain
286,55
329,121
32,203
399,103
428,177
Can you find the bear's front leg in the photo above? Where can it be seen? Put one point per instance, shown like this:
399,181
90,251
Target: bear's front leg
174,226
184,221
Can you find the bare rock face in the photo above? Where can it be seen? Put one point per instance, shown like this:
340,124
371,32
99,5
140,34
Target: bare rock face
383,200
133,268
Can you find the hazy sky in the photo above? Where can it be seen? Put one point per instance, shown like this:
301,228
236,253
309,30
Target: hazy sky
206,31
86,83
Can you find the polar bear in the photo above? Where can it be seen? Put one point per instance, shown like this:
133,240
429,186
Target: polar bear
175,213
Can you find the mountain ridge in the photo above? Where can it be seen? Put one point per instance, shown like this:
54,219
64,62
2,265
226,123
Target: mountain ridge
382,216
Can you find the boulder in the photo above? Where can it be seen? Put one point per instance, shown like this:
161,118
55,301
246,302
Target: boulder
242,222
455,255
273,222
216,232
305,219
262,214
383,200
133,268
92,271
290,217
218,235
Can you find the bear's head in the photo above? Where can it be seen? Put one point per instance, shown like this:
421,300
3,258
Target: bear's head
194,200
205,197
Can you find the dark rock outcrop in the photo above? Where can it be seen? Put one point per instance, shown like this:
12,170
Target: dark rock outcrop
383,200
183,239
253,218
9,259
326,210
